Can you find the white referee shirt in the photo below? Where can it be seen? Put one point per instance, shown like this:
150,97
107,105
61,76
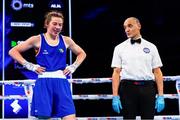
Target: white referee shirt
136,60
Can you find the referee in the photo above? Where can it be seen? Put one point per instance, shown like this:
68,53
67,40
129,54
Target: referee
137,76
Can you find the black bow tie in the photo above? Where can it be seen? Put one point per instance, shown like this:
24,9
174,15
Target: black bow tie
136,41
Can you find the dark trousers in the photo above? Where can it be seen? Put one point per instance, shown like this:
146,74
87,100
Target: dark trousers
138,98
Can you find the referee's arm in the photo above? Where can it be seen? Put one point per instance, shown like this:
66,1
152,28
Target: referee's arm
159,80
115,80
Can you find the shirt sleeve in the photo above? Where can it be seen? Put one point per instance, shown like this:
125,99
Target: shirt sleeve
156,62
116,60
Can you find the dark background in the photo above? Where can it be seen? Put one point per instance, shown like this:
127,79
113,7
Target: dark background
97,26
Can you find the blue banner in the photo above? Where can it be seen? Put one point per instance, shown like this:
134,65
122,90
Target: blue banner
15,108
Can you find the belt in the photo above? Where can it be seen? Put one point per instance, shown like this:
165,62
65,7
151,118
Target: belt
53,74
137,82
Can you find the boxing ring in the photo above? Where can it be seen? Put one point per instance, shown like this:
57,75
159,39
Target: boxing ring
28,90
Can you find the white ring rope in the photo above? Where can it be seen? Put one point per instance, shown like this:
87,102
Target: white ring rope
28,88
30,83
80,80
163,117
82,97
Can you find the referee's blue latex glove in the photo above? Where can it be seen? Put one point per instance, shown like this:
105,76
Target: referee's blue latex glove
160,104
116,104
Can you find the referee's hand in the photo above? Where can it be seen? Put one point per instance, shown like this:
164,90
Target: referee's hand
160,104
116,104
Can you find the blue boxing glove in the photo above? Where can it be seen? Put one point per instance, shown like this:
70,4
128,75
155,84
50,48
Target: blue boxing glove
160,104
116,104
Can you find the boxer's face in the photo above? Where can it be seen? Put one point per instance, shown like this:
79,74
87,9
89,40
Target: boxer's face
55,26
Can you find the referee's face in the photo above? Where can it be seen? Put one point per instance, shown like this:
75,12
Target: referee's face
132,28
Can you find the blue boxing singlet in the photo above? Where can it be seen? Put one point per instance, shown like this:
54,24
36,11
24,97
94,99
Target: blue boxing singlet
52,57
